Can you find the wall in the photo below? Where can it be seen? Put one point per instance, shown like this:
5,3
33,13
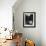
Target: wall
37,34
43,22
6,13
28,6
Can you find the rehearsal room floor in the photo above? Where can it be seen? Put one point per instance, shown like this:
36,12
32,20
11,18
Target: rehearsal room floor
9,43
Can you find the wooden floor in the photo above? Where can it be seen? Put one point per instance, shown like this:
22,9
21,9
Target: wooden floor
9,43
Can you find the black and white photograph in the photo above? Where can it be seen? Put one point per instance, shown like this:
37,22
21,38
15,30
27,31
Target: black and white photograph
29,19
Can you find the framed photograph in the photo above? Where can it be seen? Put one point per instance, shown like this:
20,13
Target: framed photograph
29,19
13,22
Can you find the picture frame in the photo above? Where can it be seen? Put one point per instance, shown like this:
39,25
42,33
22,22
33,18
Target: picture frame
13,22
29,19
